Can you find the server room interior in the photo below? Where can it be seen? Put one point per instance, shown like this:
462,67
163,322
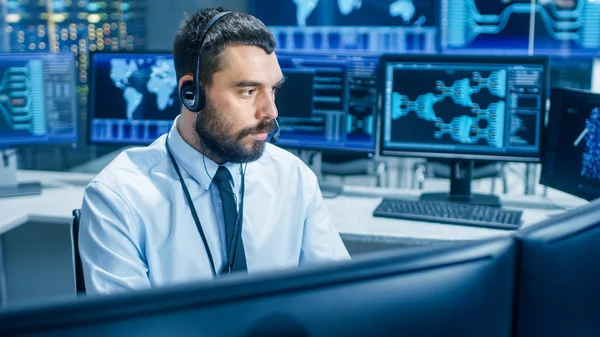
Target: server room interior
346,114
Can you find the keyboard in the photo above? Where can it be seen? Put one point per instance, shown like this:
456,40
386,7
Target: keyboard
449,212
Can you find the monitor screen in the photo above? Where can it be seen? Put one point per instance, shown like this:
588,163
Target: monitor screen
572,151
560,28
469,107
455,289
328,101
133,97
366,25
485,27
566,28
38,102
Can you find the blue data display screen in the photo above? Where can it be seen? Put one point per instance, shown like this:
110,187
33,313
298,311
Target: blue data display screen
567,27
354,25
559,27
572,154
328,101
37,99
345,12
485,26
486,109
134,97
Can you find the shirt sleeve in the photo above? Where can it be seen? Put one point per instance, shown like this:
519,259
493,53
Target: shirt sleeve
110,243
321,240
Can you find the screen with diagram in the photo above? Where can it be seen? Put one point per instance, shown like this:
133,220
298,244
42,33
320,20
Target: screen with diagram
485,109
572,156
37,99
133,97
554,27
567,27
328,101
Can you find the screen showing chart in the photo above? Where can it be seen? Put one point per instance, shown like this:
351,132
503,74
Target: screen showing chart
328,101
572,155
567,27
543,27
469,107
133,97
37,99
499,27
359,25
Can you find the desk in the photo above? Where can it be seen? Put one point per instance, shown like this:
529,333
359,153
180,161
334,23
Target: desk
351,213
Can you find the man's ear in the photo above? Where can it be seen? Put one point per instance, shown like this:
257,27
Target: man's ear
184,79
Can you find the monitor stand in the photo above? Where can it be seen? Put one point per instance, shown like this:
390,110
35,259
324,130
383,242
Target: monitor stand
9,187
461,173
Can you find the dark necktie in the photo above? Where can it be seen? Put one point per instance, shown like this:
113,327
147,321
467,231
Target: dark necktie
235,252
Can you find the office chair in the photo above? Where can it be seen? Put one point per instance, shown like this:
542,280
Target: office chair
345,166
78,267
441,169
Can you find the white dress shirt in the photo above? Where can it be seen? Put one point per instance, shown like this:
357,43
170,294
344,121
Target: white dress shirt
137,231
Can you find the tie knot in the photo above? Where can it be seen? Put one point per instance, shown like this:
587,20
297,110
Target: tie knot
222,175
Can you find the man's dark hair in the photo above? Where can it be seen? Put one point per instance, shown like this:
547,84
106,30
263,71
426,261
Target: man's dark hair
233,29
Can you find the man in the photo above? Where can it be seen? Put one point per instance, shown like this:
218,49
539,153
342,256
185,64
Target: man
169,213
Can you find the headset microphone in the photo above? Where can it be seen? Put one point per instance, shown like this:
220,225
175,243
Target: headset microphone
276,134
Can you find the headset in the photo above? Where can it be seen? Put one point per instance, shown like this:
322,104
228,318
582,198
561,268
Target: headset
192,94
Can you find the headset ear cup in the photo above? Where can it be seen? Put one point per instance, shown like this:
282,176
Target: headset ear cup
188,96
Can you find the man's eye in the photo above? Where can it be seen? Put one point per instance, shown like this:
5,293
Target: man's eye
249,92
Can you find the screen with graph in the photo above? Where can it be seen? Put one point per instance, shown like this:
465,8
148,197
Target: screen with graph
37,99
133,97
359,25
328,101
572,155
474,107
567,27
470,26
556,27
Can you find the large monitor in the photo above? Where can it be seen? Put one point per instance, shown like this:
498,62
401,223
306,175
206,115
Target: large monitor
565,28
366,25
559,274
38,105
572,151
463,108
485,27
133,97
459,289
328,101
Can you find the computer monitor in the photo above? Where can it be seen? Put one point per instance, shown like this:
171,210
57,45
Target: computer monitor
463,108
133,97
378,26
38,105
328,101
572,150
459,289
559,274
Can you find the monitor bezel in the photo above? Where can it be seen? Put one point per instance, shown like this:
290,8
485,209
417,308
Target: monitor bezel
381,80
73,141
559,185
91,87
237,288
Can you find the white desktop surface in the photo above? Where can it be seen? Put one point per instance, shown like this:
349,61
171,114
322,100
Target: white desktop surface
36,248
352,211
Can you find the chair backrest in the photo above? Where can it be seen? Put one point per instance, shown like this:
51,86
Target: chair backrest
79,280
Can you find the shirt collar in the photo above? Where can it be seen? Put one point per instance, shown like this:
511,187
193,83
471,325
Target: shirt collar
200,167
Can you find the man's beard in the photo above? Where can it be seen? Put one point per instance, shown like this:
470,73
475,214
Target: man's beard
218,142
